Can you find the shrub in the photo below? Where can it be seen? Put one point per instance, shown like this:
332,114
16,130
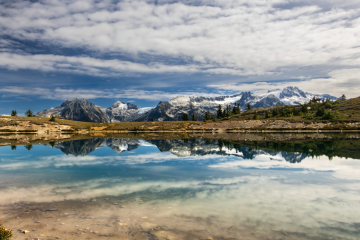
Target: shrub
328,105
5,234
330,116
308,116
52,119
320,112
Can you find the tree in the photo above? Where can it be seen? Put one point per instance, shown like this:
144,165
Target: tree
236,109
212,116
228,109
275,112
28,147
343,97
29,113
13,113
207,116
267,114
248,107
193,117
13,147
52,119
152,119
219,112
185,117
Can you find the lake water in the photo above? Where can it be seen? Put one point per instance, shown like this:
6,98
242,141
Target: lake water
111,188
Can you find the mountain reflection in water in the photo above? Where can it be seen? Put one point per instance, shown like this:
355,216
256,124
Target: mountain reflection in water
118,188
178,147
291,152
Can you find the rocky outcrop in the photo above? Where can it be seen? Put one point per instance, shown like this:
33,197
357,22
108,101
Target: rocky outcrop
122,112
78,110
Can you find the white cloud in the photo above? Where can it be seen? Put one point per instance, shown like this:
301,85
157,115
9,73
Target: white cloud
341,168
69,94
221,37
344,81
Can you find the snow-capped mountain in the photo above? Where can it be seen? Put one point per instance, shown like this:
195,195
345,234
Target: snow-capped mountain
84,110
123,112
293,95
176,107
78,110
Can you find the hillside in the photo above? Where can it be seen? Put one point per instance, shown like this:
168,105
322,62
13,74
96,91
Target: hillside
340,111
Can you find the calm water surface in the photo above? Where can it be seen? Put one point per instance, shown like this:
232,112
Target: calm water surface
179,189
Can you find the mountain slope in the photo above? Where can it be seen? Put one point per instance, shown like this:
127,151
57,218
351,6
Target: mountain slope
176,107
173,110
122,112
79,110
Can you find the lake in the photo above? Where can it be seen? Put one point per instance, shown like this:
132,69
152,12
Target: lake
145,187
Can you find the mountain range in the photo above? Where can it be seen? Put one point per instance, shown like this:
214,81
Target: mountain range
177,147
173,110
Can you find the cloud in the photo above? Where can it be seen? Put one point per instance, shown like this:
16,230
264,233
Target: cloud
266,204
69,94
343,81
69,160
341,168
85,65
234,37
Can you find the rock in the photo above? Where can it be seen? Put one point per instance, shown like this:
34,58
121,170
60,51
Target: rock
51,210
25,231
148,226
122,224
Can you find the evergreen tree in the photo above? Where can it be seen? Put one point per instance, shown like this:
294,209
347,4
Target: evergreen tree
207,116
267,115
228,109
52,119
28,147
193,117
343,97
212,117
234,110
29,113
13,147
275,112
185,117
13,113
219,112
248,107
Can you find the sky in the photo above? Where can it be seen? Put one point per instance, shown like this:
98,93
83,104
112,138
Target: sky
146,51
